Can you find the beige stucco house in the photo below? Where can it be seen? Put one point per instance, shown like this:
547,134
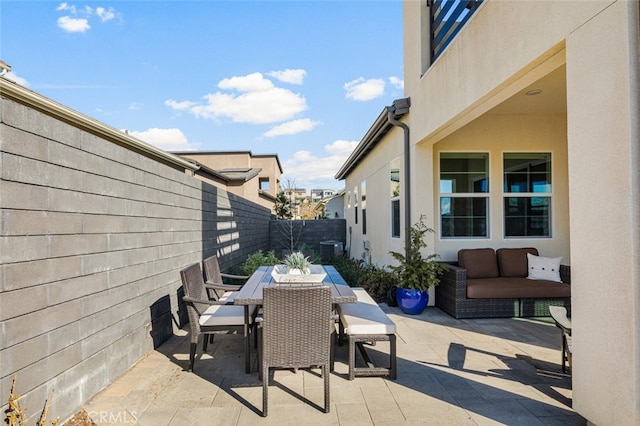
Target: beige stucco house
255,177
523,130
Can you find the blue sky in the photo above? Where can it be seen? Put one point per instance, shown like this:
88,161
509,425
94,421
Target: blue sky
301,79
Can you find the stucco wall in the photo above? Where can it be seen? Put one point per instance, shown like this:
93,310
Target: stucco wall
604,123
375,171
505,47
496,134
92,239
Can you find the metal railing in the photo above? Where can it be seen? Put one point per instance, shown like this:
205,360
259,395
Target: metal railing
447,19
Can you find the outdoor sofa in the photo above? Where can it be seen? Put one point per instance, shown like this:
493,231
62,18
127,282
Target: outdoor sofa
487,283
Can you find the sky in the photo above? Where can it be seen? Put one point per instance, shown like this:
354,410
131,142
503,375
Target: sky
301,79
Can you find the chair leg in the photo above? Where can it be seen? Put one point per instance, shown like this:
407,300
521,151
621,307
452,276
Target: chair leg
192,354
327,400
206,341
265,389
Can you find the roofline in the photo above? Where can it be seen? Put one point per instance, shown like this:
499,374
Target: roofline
375,134
211,152
22,95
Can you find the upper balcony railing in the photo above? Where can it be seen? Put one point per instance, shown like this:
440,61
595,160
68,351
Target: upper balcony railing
447,18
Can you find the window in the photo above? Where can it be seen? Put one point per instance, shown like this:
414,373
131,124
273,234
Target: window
464,195
264,184
363,204
394,179
355,203
528,175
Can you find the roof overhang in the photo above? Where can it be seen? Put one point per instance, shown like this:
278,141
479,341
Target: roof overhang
375,134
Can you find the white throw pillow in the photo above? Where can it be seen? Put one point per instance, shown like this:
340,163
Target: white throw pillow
544,268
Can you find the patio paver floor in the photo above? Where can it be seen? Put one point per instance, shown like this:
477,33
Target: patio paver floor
450,372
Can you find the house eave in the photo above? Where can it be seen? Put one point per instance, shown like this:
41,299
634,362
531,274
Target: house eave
375,133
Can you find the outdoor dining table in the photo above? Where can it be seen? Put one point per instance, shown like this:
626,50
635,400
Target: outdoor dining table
251,295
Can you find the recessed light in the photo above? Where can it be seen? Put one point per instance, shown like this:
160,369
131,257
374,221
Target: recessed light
533,92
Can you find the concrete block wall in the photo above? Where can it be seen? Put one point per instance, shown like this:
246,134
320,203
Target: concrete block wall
92,238
306,233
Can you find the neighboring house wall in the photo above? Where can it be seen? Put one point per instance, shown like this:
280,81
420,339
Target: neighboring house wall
219,160
92,239
334,208
375,170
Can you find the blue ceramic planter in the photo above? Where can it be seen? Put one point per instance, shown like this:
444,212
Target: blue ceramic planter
412,302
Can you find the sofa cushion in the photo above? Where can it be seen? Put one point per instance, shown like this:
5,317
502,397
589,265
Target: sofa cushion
512,262
479,263
544,268
515,288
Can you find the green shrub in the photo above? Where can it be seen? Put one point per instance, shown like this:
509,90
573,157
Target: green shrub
377,281
258,259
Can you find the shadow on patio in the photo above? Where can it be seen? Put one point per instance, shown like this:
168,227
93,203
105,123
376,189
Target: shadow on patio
487,371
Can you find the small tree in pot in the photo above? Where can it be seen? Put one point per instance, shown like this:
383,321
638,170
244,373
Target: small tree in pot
416,273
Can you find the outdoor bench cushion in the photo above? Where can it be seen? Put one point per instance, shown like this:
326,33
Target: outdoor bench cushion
224,315
365,316
479,263
512,262
515,288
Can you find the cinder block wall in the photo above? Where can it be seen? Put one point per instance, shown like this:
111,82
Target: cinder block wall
92,238
308,234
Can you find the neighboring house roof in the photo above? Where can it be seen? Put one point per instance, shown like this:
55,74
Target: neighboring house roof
249,153
375,134
231,176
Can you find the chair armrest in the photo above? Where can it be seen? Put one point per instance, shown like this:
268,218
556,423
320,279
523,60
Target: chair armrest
189,299
237,277
222,286
565,274
453,281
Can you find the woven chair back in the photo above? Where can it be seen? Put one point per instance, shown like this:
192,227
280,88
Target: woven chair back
297,326
213,274
193,284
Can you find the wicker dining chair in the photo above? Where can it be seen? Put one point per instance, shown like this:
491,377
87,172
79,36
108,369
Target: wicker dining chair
206,316
296,332
559,315
218,289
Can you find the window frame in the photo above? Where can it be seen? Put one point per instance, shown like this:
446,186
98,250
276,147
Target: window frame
452,194
395,190
529,195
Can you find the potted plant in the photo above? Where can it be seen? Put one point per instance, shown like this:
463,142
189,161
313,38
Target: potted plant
297,263
297,268
415,273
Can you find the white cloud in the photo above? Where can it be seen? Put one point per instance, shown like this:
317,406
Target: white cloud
180,106
65,6
247,83
105,14
260,101
289,76
292,127
135,106
73,25
396,82
16,78
309,170
364,90
166,139
77,20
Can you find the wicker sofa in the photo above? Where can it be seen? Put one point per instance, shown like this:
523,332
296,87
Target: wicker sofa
488,283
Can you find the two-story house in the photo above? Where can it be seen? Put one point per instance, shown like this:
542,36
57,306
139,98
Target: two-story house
520,127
